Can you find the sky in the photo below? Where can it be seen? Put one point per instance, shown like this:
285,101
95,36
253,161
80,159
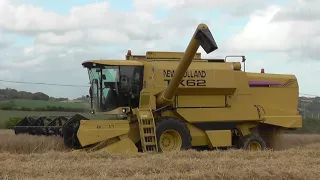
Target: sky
46,41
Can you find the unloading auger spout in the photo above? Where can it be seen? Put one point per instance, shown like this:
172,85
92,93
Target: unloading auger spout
203,37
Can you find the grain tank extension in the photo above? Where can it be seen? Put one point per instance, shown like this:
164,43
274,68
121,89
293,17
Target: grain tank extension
167,101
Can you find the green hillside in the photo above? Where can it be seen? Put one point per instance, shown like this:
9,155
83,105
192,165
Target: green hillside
41,105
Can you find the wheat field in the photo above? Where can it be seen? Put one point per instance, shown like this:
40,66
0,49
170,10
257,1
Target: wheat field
32,157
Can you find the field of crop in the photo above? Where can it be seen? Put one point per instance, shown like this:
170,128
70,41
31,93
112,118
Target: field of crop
27,157
42,104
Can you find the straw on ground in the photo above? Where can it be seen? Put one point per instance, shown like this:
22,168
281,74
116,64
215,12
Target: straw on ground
298,158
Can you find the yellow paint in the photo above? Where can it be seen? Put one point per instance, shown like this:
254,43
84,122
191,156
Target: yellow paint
284,121
147,130
123,146
254,146
200,101
245,127
170,140
93,131
199,137
220,138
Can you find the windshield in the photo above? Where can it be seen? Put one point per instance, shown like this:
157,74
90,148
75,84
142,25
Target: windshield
115,86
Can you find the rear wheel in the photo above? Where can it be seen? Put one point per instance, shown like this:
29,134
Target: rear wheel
172,135
252,142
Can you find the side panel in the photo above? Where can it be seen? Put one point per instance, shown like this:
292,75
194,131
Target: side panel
123,146
277,96
222,108
185,101
284,121
220,138
217,134
201,77
199,137
213,116
234,113
93,131
276,101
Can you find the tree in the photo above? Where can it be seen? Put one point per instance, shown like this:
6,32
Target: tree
40,96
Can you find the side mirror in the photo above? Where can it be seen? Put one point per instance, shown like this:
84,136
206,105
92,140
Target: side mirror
91,100
90,92
104,77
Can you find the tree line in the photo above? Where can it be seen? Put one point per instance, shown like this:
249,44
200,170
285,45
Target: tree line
313,105
9,93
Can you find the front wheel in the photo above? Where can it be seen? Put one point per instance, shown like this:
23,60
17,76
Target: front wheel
172,135
252,142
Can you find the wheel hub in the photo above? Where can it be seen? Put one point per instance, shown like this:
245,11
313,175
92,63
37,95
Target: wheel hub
254,146
170,140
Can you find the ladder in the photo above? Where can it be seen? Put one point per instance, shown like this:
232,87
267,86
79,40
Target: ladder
147,130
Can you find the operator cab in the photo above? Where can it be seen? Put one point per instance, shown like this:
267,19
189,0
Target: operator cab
114,84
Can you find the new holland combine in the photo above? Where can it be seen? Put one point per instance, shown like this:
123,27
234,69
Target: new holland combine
169,101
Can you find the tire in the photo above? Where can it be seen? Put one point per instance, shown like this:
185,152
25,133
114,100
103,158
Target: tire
170,127
252,142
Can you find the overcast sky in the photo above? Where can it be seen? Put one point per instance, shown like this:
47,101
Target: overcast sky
46,41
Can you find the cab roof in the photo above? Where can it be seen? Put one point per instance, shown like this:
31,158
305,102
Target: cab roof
112,63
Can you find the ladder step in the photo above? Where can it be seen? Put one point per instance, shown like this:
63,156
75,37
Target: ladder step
149,135
146,122
147,130
147,126
150,143
151,149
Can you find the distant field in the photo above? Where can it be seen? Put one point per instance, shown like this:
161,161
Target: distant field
5,115
42,104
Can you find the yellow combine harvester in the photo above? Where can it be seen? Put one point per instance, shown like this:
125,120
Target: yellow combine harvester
168,101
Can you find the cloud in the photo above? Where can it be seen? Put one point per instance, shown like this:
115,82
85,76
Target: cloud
232,7
277,29
91,23
286,39
28,19
25,18
49,64
96,31
4,43
300,10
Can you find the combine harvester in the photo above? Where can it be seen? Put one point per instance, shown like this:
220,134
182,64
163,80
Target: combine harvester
171,101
